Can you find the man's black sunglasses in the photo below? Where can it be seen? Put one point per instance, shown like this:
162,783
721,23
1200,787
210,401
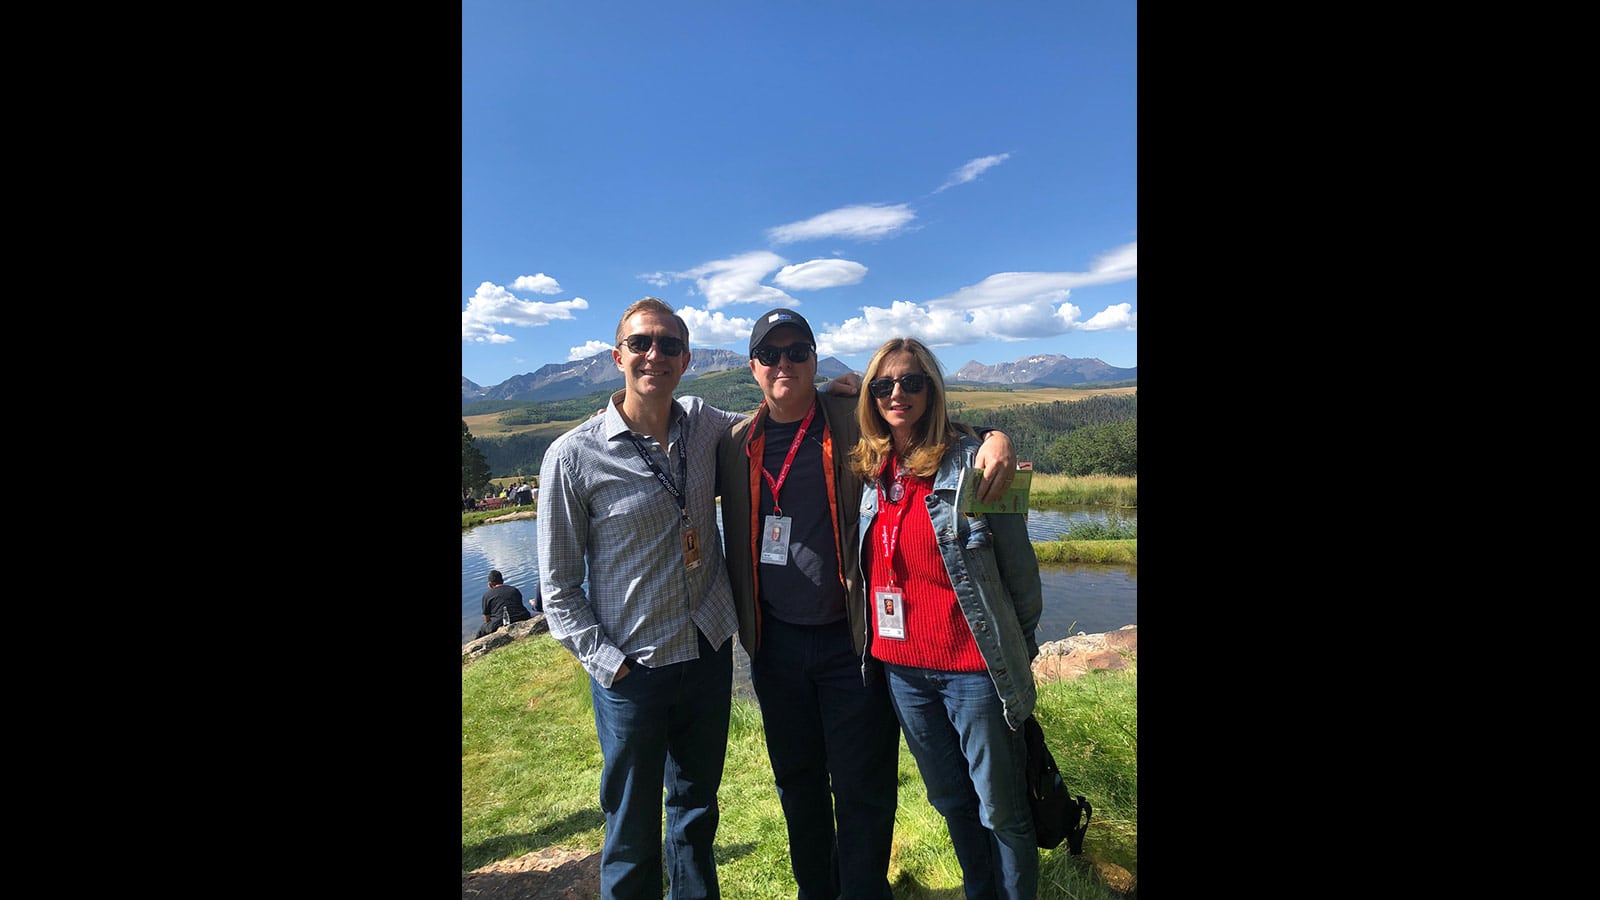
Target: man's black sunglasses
911,383
768,356
640,343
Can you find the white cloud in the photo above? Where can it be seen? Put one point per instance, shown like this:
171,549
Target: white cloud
709,329
1117,317
955,327
867,222
587,350
1023,322
493,305
820,273
1122,262
877,324
725,282
1013,288
1007,306
537,284
972,170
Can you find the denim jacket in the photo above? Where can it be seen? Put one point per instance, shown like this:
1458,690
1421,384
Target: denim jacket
991,565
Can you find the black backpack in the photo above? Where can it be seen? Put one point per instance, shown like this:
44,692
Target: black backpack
1057,815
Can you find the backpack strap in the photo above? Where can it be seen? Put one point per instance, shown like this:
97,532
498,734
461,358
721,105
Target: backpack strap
1076,832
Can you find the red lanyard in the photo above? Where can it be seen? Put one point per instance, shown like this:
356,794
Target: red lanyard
889,534
777,483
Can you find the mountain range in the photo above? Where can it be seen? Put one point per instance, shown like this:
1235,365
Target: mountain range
563,381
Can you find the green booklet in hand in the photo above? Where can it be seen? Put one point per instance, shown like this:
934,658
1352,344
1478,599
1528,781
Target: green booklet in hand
1014,500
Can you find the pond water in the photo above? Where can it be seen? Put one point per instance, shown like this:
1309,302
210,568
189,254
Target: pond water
1077,598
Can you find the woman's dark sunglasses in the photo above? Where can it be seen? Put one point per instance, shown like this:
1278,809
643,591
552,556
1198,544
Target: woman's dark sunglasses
640,343
911,383
768,356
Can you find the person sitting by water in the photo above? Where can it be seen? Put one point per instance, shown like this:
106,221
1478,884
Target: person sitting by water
502,605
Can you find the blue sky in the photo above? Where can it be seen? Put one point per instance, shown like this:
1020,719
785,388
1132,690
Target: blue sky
960,172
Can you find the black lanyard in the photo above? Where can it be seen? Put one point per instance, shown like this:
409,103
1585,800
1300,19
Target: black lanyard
683,466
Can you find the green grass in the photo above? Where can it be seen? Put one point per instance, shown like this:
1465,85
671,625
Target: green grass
1049,491
530,769
479,516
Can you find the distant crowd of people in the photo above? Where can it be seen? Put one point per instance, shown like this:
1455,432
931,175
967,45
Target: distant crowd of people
519,493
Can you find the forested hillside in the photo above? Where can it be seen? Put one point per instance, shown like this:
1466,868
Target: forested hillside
520,454
1095,435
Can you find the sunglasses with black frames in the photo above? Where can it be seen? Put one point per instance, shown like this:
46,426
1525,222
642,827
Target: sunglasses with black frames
640,343
768,356
911,383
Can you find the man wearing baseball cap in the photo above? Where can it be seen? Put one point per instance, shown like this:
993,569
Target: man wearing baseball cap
790,522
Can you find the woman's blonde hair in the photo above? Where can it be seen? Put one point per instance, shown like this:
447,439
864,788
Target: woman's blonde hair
930,435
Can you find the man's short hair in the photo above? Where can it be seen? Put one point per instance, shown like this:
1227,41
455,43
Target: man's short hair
655,305
495,577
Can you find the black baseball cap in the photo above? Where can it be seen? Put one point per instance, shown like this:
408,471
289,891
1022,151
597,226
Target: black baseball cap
778,318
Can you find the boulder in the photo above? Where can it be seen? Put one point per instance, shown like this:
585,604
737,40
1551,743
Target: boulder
1073,656
503,636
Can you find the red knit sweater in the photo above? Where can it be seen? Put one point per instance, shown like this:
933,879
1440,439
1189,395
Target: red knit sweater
937,633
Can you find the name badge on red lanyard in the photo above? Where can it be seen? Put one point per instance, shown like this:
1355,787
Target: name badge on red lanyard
889,602
775,531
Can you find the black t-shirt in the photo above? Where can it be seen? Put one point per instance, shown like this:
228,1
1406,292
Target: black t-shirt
503,597
807,591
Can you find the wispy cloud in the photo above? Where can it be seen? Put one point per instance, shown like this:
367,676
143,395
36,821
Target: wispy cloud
866,222
817,274
972,170
1013,288
493,305
737,279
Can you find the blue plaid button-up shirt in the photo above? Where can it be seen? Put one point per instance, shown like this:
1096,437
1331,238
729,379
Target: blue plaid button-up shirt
604,516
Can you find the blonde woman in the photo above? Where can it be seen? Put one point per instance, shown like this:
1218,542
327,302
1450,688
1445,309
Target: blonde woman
955,609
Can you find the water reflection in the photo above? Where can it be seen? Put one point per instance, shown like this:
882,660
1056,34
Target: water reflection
1077,597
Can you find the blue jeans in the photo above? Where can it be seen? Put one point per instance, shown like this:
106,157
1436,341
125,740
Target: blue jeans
668,727
973,766
834,745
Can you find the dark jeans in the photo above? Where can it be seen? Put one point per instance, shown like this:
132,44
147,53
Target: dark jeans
834,744
972,765
666,726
